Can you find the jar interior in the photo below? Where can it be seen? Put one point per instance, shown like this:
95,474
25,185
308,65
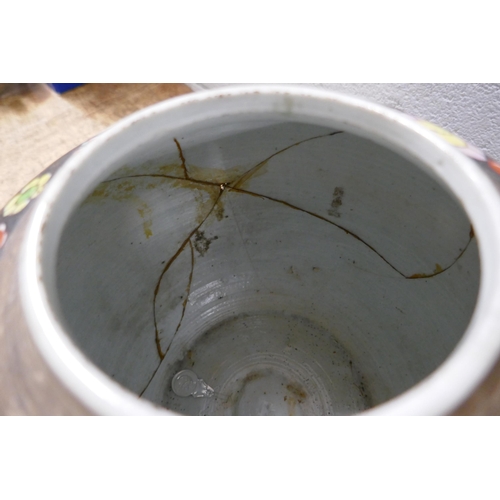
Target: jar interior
275,268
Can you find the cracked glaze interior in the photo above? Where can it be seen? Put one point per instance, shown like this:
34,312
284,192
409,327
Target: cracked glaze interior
295,268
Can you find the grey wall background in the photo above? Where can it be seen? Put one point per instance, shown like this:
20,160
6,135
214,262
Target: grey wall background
470,110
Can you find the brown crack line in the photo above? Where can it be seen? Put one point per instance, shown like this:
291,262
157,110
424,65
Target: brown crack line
183,160
440,270
241,180
354,235
223,186
188,292
162,354
166,176
249,173
167,267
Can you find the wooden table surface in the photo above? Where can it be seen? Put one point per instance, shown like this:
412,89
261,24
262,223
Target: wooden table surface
38,126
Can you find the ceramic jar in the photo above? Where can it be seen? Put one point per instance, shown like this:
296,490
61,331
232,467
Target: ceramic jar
255,251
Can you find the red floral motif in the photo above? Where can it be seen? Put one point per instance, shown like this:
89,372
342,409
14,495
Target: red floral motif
494,165
3,235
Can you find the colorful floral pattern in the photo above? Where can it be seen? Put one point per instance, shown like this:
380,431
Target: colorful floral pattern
28,193
3,234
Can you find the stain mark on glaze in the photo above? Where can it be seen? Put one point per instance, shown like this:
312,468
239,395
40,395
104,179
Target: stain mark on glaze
338,194
124,191
202,243
250,377
146,214
190,357
297,391
219,210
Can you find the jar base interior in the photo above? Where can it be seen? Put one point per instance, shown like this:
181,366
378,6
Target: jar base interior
266,364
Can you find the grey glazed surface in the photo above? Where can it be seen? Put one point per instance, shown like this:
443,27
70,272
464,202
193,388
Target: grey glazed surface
316,250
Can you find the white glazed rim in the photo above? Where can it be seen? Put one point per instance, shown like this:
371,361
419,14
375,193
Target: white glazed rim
440,393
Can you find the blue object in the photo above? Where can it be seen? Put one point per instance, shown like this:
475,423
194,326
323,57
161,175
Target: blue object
64,87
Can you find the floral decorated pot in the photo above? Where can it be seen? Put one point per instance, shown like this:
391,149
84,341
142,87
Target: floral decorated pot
255,251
